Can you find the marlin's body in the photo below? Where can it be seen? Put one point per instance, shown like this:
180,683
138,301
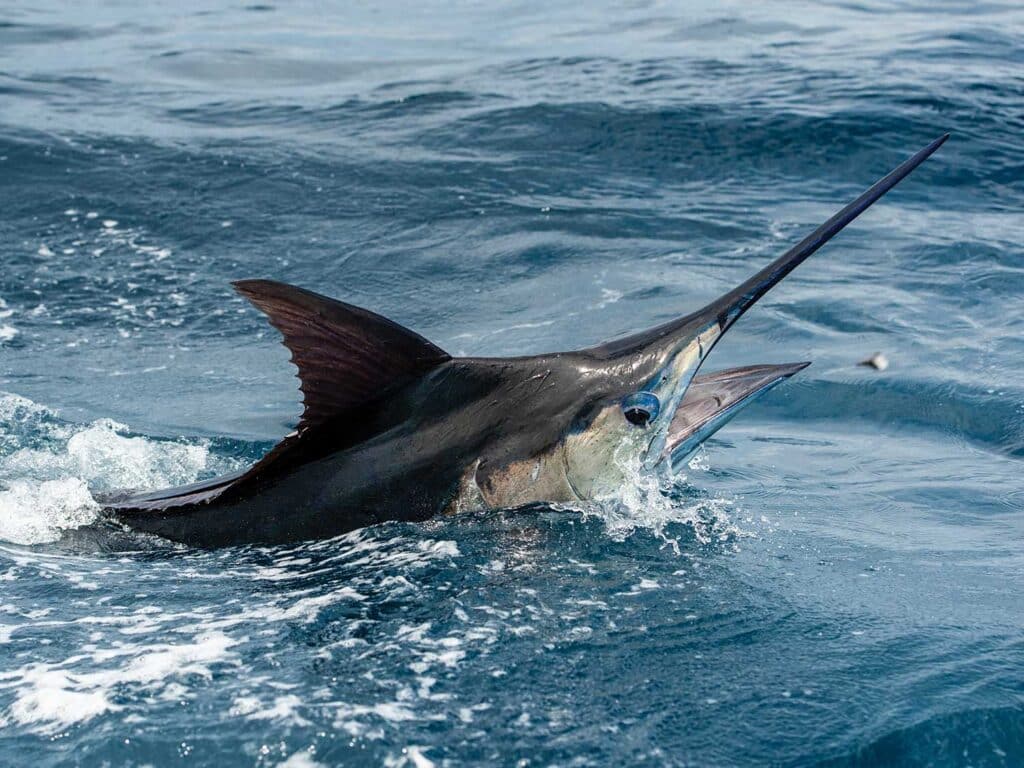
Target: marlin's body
396,429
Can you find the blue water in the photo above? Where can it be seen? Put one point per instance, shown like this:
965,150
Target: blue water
836,580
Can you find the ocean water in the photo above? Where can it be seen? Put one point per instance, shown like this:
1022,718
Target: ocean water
837,579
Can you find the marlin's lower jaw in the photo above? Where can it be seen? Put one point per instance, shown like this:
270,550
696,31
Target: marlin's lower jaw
713,400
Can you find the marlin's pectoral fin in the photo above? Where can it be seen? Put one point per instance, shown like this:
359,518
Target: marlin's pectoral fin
346,356
170,498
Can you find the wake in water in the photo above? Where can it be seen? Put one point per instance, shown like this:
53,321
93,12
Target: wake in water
49,469
155,647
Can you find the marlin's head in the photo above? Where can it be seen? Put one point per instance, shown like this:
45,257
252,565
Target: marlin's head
645,407
648,426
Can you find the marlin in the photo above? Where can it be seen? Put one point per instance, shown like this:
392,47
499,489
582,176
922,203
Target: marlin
394,428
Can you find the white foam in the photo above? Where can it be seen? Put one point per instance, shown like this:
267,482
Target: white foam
608,296
47,696
419,760
349,716
51,697
244,705
16,407
33,513
300,760
45,486
158,663
7,331
102,455
642,503
283,710
104,458
308,608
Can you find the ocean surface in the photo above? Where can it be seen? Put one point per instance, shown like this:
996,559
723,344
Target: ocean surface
837,579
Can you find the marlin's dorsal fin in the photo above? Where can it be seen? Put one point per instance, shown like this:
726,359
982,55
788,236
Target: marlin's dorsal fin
346,356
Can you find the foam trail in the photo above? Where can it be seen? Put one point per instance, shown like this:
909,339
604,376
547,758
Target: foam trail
48,468
51,696
34,513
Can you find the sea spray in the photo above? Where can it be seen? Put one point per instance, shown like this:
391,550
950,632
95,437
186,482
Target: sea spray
653,502
49,468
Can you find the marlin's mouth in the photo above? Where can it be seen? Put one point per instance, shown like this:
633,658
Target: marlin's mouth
714,399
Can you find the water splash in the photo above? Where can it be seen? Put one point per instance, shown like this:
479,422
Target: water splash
35,513
651,502
48,468
154,648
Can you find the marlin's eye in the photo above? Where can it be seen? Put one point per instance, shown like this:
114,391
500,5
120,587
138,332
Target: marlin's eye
641,408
